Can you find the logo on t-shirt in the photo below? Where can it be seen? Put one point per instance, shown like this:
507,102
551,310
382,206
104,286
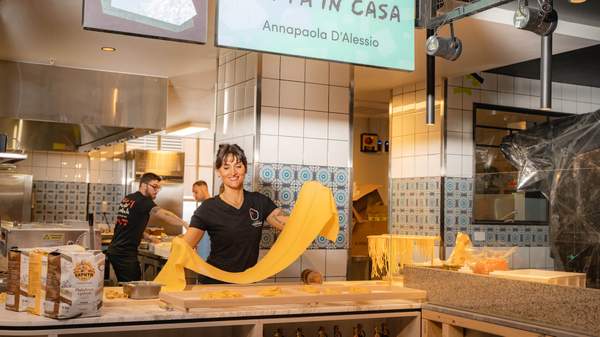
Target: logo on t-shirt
123,213
255,217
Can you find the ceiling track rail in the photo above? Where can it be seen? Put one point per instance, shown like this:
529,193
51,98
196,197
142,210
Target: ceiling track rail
428,18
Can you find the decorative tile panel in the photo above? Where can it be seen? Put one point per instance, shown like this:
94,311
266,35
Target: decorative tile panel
112,194
282,182
458,217
56,201
416,206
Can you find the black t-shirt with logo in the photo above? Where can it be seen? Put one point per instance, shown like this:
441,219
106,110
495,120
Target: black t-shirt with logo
132,218
234,233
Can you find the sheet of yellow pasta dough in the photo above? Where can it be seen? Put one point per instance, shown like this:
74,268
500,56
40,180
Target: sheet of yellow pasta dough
314,213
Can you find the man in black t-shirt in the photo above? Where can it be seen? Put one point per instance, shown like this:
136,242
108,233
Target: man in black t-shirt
134,211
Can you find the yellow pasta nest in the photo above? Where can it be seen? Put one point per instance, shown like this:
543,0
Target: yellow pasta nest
112,294
271,292
221,294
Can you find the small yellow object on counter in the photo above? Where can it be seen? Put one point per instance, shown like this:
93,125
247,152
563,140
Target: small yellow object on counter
462,250
221,294
114,293
2,298
271,292
314,213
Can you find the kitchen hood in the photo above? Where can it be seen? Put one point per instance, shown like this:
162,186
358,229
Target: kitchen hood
50,108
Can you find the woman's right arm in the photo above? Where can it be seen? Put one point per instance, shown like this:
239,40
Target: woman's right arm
193,236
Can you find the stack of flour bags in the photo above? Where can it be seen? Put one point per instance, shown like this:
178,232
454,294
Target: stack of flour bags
57,282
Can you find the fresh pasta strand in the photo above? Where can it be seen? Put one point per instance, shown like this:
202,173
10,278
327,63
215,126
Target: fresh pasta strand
389,253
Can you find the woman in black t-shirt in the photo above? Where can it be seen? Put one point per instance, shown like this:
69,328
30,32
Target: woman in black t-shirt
234,219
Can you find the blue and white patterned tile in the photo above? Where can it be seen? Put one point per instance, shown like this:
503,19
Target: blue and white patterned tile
282,182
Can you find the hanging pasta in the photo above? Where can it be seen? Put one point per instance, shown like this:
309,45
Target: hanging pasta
390,253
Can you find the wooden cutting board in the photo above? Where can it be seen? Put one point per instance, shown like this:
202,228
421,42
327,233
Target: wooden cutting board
290,294
543,276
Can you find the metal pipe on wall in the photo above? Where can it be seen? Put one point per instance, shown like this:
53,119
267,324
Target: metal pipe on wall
430,101
546,73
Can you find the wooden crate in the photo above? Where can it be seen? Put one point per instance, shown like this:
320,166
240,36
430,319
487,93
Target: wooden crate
290,294
543,276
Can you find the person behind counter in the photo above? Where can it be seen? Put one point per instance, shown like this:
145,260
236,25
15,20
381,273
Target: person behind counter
233,219
200,191
134,211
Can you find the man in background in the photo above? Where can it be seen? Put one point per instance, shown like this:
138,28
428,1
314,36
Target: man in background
134,211
200,191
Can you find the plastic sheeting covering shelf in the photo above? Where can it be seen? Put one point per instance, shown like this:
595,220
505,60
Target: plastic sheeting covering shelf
561,159
314,213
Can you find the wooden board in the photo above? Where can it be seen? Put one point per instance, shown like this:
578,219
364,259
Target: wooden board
290,294
543,276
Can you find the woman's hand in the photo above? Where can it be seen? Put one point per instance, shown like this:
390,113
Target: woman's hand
277,219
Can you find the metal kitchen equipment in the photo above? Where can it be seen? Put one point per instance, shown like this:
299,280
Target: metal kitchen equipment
167,164
15,199
42,235
51,108
140,290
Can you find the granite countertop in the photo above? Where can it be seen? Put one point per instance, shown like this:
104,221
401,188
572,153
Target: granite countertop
152,312
500,321
572,309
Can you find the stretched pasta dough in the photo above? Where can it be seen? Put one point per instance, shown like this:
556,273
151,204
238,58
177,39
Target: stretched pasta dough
314,213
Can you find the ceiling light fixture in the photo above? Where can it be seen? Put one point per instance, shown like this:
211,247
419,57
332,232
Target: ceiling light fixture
111,49
542,20
186,129
577,1
444,47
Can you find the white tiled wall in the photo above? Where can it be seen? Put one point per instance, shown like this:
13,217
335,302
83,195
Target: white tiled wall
199,155
502,90
305,111
415,146
236,92
56,166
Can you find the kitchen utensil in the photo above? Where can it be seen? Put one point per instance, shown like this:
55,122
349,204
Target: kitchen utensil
141,289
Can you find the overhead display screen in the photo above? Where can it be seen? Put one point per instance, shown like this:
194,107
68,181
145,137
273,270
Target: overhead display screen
177,20
371,33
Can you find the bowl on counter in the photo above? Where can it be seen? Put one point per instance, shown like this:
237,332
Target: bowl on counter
141,290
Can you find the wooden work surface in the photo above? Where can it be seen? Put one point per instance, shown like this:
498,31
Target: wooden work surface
199,296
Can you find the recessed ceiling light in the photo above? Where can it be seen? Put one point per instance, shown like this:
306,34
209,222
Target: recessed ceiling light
577,1
108,49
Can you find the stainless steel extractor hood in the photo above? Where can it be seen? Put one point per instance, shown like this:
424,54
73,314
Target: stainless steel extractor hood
50,108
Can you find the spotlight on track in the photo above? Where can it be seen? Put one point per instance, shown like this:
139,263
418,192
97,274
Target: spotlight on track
448,48
542,20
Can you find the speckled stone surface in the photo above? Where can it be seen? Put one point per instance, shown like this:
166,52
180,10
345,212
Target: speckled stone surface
151,312
568,308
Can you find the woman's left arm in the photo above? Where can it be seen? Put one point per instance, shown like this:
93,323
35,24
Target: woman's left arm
277,219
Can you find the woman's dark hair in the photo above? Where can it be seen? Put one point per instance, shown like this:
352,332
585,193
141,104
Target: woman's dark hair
225,150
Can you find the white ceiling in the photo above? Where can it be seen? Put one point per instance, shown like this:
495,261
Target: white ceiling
50,31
